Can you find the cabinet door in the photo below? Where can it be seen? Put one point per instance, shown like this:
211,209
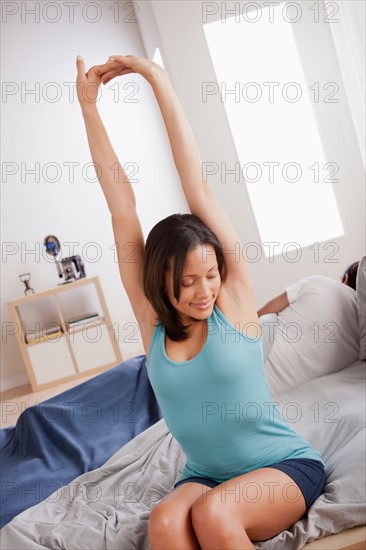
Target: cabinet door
92,347
51,360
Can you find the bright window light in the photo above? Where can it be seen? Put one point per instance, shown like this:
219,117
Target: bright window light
269,108
157,58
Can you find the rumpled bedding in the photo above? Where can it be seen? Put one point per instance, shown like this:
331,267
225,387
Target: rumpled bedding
72,433
109,508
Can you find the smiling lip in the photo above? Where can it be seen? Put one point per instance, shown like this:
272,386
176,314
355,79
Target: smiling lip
202,305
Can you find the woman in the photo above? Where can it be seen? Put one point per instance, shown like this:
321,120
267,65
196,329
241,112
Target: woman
248,474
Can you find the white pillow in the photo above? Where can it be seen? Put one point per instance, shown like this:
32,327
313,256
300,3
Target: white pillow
361,302
268,325
317,334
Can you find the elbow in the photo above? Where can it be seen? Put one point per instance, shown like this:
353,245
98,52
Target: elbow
274,306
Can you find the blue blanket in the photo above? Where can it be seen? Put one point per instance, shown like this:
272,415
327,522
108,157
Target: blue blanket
77,431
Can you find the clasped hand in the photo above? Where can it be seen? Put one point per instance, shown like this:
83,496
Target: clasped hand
117,65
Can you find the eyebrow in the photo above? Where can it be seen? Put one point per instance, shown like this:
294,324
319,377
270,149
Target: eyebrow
213,267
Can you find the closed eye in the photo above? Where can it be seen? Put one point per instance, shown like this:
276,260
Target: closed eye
186,285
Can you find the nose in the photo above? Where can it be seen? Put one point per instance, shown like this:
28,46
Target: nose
203,291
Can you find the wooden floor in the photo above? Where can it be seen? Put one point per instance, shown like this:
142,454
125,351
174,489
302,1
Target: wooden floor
14,402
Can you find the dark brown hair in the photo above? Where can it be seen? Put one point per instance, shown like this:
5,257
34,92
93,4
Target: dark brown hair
172,239
351,271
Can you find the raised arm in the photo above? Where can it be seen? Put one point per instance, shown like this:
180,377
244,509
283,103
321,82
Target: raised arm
201,199
115,184
118,193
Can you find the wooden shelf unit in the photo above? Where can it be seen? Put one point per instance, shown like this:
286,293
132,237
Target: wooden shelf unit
73,353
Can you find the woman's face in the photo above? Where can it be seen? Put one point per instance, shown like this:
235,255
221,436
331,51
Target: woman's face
200,284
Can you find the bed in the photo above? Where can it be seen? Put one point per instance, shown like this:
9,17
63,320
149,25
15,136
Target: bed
94,487
76,431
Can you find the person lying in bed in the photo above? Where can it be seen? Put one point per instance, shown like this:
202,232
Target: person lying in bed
281,301
316,323
248,474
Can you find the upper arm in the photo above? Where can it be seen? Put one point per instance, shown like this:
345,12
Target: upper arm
204,204
201,199
130,247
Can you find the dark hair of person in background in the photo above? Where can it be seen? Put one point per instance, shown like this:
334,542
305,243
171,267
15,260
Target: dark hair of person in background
167,246
350,275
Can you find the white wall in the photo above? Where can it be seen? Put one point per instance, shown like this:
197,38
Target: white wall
38,130
349,42
189,64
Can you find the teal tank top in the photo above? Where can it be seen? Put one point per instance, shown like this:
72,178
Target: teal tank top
218,405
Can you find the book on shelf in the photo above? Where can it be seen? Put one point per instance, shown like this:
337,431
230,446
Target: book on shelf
33,337
83,322
83,317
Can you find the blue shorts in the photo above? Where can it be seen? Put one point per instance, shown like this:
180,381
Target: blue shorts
307,473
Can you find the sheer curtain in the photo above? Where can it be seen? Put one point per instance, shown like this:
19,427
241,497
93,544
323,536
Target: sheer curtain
348,31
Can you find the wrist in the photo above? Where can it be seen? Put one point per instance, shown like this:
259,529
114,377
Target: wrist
157,75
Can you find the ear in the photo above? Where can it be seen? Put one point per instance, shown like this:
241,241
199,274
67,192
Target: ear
346,279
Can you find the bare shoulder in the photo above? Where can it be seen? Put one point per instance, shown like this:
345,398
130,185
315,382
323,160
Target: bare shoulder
237,304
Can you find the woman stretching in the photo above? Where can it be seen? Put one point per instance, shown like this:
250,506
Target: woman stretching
248,474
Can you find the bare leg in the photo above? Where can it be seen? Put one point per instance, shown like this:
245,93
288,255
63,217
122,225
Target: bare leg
253,507
170,525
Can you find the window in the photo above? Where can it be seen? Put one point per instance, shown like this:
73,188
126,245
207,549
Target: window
157,57
269,109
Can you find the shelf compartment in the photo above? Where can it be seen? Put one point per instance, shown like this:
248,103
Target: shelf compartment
51,361
92,347
79,302
38,317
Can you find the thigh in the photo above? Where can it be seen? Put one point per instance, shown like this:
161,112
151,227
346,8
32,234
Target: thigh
265,501
181,499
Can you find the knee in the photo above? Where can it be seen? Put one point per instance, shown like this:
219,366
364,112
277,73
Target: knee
212,518
206,514
163,519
